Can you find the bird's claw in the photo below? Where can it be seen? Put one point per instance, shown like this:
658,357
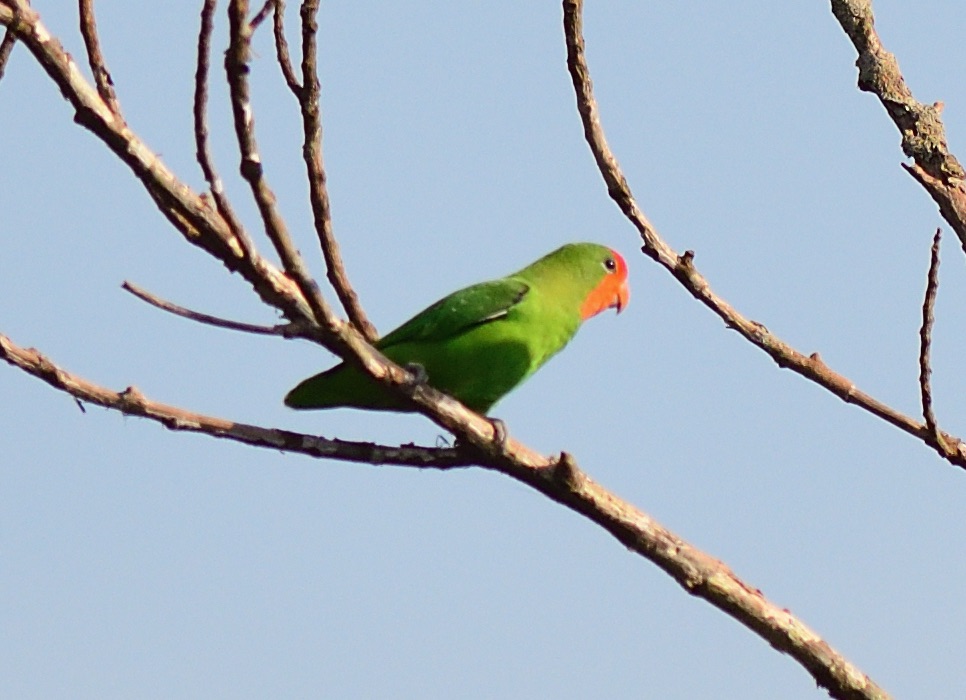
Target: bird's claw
500,434
417,372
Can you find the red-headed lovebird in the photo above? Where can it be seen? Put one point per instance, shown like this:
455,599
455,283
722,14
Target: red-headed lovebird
479,343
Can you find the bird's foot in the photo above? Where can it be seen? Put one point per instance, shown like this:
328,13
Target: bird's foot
418,374
500,434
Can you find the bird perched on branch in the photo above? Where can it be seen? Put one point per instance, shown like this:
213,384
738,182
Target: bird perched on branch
479,343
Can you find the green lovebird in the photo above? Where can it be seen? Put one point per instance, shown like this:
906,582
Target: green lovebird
479,343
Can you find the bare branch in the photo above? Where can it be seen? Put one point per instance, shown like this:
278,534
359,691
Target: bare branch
308,98
131,402
261,15
6,47
236,67
189,213
102,77
925,343
287,330
202,152
922,130
682,266
281,49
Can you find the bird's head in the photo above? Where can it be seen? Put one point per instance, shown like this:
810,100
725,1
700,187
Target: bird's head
612,291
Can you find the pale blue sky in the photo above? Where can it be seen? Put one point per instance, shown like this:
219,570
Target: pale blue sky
136,562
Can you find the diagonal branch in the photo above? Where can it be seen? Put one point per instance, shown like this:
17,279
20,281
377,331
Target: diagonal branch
102,77
308,97
682,266
261,15
189,213
923,133
131,402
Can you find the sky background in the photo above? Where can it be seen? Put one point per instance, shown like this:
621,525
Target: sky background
137,562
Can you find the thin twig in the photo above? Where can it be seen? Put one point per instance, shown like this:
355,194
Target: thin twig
6,47
683,269
202,152
281,49
261,15
102,77
236,67
308,98
925,343
132,402
921,126
283,329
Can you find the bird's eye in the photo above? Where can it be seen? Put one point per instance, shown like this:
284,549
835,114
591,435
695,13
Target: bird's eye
610,264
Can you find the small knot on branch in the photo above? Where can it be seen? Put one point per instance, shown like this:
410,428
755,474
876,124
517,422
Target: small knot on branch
565,470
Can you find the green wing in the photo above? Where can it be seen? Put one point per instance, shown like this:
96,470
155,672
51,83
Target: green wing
422,339
459,312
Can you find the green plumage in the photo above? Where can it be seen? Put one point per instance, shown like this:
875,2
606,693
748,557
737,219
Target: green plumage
480,342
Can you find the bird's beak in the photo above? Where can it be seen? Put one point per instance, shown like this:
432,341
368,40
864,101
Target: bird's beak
622,297
610,294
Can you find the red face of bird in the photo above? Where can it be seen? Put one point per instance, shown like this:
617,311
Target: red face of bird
611,292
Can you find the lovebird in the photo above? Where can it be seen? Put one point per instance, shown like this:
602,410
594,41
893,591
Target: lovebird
481,342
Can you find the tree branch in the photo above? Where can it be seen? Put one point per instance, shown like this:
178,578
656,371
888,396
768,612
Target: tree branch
925,343
260,16
286,330
236,68
281,48
202,152
682,266
308,97
198,222
922,130
131,402
102,77
6,47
